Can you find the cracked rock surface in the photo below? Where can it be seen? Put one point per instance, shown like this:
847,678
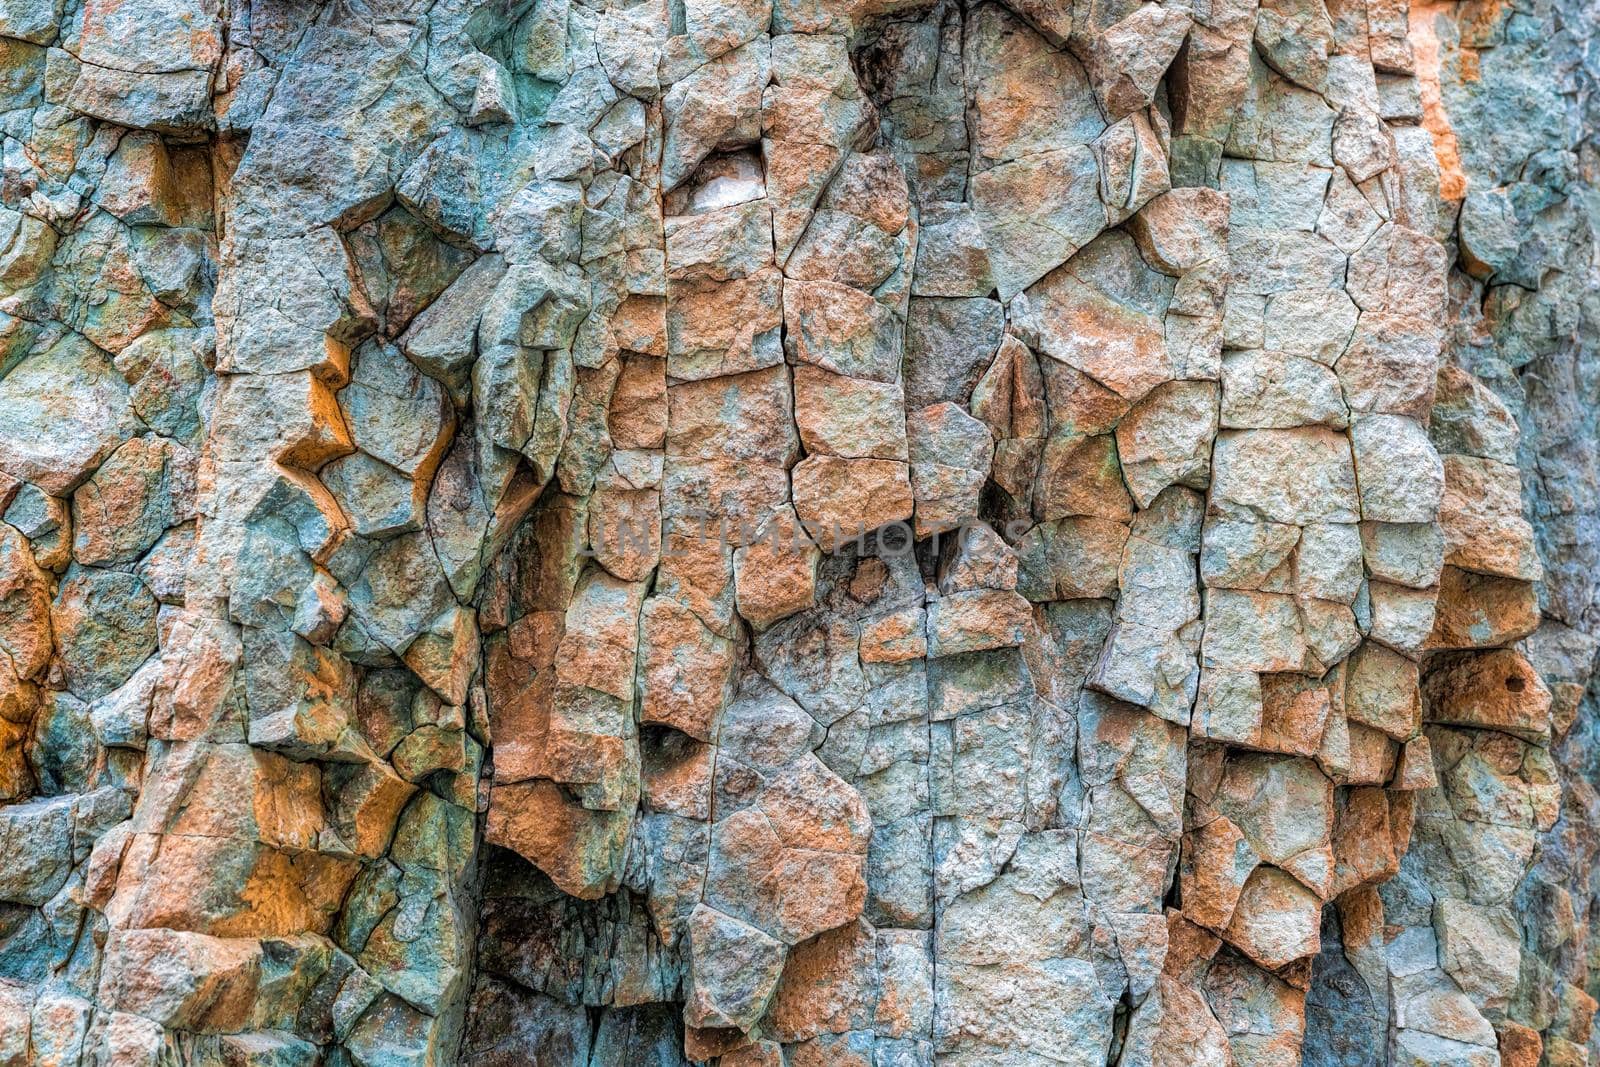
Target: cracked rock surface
799,533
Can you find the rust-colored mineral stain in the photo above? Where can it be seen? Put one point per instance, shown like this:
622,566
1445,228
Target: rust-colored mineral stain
1425,47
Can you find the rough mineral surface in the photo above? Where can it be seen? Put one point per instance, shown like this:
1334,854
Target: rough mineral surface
799,533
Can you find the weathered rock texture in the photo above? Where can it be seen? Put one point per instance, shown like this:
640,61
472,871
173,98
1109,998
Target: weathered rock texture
799,532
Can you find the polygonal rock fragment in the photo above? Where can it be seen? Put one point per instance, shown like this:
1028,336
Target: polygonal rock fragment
1273,390
144,487
1399,271
1028,96
775,575
1252,631
445,654
810,117
724,328
31,21
1295,711
1495,690
1400,617
25,613
1310,323
1282,804
1410,554
395,413
1295,39
1331,630
1267,262
1245,554
104,623
1415,770
976,558
184,979
1368,755
719,27
1430,1003
1481,611
897,638
948,346
301,698
1036,212
379,501
1016,916
1468,419
149,68
952,253
1418,1048
950,454
404,266
841,329
1165,439
792,863
440,338
165,371
1389,366
1488,231
1402,480
581,850
839,500
1127,60
1362,143
297,304
293,418
1084,317
687,671
1175,1026
625,528
65,410
1181,229
1266,195
1481,514
1228,706
368,798
850,417
759,735
719,245
733,971
1131,157
1477,947
1381,691
717,104
35,849
1349,218
1149,656
984,1011
841,245
1327,562
401,589
1070,558
1080,476
1216,862
203,883
1289,476
431,748
977,620
1277,919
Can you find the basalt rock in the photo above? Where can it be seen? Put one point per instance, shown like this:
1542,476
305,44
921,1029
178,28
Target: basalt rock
860,532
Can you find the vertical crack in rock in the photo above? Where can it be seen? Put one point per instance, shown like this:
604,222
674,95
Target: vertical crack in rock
861,532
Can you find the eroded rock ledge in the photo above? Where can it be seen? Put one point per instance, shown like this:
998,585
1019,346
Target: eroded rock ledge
791,533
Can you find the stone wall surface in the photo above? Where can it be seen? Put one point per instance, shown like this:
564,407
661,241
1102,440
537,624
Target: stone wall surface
794,533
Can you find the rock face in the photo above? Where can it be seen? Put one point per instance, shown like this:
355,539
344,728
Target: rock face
865,533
